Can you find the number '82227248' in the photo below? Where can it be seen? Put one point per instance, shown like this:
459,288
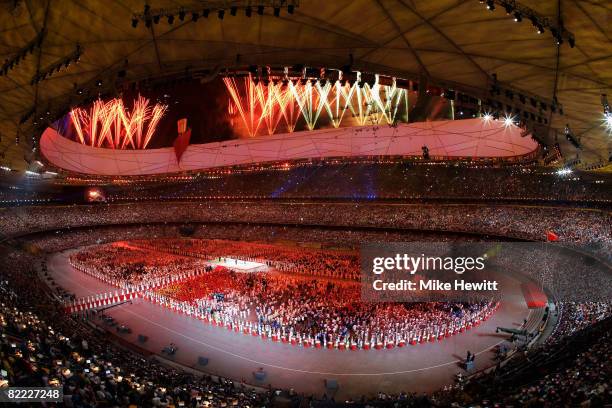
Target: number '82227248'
31,394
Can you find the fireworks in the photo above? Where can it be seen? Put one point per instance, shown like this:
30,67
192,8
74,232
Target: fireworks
265,105
110,124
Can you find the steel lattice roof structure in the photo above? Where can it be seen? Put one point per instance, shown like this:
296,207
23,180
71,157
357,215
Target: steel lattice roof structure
454,43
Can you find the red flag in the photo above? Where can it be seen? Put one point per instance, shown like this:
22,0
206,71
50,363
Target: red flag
181,124
551,236
181,143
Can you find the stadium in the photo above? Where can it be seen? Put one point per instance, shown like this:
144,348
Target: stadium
305,203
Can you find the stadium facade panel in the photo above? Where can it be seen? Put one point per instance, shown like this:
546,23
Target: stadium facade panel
445,140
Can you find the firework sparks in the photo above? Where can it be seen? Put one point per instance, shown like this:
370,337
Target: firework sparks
246,107
266,104
110,124
288,108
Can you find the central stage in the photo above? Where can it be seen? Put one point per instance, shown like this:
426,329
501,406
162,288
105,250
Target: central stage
240,265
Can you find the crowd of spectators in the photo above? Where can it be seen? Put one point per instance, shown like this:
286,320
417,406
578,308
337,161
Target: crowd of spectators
571,370
379,180
42,346
586,227
575,316
10,196
555,269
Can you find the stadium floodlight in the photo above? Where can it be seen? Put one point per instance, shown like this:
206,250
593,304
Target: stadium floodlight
564,172
608,121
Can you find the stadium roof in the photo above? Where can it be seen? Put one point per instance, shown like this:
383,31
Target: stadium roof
455,42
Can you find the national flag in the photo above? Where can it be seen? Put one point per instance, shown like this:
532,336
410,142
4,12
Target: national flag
181,143
551,236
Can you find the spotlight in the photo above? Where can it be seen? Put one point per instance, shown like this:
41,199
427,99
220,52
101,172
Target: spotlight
247,11
233,10
487,117
540,29
508,120
276,11
518,17
260,10
171,19
508,8
608,121
221,14
290,8
134,22
99,83
564,172
490,5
